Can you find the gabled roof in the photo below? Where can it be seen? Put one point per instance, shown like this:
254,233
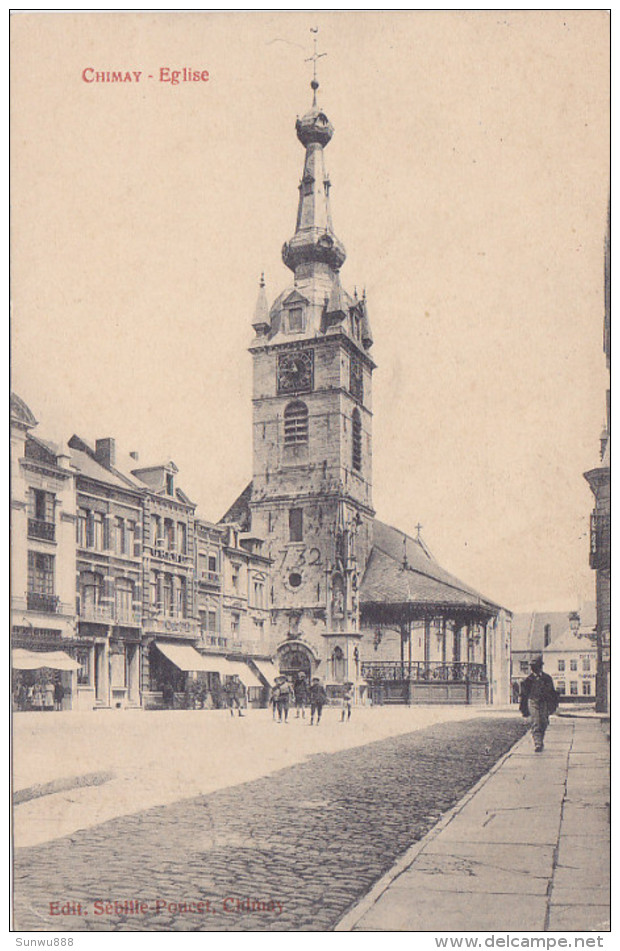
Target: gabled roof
88,466
569,641
528,630
402,570
239,511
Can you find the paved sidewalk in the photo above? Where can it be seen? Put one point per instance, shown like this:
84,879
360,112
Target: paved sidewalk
528,849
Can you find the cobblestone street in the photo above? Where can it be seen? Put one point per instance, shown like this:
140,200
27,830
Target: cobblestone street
289,851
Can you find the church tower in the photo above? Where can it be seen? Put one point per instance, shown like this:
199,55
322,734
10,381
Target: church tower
312,435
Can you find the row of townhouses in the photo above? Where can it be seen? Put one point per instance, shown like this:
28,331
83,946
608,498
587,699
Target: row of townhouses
121,587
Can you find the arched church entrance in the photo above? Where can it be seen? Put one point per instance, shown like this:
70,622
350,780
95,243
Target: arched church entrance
294,659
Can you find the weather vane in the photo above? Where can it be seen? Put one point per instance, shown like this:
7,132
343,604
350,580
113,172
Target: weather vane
312,59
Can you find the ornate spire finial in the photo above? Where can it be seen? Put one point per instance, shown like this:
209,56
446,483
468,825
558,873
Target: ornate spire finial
262,279
312,59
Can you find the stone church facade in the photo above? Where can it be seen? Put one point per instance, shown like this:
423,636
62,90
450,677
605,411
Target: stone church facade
351,599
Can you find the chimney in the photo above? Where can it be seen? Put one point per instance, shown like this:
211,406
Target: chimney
574,620
105,451
135,455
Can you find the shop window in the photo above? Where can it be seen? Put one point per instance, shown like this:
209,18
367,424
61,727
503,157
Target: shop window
560,687
586,688
296,525
296,424
574,688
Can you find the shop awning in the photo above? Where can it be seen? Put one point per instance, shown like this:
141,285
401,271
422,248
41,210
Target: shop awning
268,670
247,677
184,657
34,660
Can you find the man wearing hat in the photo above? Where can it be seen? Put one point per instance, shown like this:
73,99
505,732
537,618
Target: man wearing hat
284,697
317,699
301,694
538,700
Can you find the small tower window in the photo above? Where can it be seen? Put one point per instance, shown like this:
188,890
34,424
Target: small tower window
169,484
295,319
296,424
357,441
296,525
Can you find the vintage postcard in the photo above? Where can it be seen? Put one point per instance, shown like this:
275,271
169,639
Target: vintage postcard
310,473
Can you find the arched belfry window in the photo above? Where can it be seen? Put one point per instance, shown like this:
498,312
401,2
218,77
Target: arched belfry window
357,441
296,424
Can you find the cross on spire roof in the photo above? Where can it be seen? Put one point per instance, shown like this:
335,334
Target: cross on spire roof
312,59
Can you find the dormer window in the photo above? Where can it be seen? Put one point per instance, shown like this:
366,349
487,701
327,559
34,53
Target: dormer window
169,484
295,319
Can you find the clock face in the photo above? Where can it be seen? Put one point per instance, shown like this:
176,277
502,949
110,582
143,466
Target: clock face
296,372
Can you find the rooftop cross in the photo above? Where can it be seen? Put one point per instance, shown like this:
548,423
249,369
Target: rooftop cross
419,529
312,59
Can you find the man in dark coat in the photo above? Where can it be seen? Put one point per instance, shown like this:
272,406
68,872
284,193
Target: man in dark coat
301,694
235,694
318,697
538,700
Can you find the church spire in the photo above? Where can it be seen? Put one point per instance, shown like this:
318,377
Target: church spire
314,242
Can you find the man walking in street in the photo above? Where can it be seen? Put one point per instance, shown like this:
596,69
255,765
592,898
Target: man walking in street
301,694
235,692
347,700
538,701
284,697
317,699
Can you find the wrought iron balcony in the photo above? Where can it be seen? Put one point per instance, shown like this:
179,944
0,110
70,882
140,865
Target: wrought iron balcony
423,671
37,528
46,603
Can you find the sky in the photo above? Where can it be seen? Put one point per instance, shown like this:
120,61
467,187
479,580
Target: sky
470,179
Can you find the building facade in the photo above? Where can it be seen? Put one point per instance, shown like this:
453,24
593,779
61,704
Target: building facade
119,590
570,660
352,600
43,608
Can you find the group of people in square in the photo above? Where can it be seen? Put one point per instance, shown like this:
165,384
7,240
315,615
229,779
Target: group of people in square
302,693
